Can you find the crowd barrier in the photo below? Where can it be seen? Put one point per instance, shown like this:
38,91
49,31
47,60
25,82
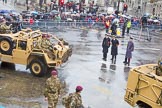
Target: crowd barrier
66,24
49,25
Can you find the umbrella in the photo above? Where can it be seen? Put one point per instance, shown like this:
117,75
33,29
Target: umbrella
34,12
67,13
8,17
89,14
107,17
116,20
4,11
94,14
156,21
100,15
78,14
123,16
111,15
83,14
150,20
146,14
128,17
54,12
69,19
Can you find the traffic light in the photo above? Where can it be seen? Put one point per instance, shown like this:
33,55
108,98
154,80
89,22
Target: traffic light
61,2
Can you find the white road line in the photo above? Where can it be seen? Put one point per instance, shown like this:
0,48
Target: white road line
147,49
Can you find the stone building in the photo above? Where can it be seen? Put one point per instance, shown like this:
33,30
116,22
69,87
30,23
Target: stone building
140,7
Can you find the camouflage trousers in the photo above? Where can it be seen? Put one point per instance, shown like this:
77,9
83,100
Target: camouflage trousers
52,103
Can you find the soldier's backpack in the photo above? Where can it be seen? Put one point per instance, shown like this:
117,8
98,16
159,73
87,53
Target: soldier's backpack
66,100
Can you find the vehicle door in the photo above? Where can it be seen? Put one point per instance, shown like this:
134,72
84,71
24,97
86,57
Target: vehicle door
20,52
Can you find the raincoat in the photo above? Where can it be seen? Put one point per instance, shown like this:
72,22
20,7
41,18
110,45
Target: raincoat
130,49
114,46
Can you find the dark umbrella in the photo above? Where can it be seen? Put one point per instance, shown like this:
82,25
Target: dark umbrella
4,11
8,17
89,14
83,14
54,12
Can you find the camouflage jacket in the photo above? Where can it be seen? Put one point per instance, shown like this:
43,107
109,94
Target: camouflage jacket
76,101
52,87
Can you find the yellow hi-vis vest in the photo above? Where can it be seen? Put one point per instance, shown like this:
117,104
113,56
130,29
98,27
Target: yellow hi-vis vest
129,24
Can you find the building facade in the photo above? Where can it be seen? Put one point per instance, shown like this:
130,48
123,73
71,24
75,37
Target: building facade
153,7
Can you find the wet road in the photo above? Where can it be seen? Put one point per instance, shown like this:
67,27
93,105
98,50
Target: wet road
104,83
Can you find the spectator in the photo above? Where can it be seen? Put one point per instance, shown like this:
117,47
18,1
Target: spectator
107,25
124,27
31,21
113,28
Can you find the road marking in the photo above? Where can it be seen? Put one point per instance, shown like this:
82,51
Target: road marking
102,90
148,49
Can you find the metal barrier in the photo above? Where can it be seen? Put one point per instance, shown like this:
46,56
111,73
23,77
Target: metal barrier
52,26
48,25
51,23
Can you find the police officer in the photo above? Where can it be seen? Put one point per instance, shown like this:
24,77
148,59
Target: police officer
52,90
76,100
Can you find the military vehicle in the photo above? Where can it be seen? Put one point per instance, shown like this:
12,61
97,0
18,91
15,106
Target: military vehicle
144,86
37,50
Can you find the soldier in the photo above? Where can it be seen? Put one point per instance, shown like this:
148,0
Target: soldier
52,90
76,100
159,68
4,27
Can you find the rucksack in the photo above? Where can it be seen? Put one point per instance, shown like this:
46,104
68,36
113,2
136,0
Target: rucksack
67,99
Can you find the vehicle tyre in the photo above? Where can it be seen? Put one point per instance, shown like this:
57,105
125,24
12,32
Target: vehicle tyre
37,68
6,45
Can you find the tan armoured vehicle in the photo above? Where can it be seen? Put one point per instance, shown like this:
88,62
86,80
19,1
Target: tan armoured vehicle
144,86
37,50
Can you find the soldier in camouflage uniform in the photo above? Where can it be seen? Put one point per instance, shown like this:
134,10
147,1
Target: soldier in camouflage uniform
159,68
52,90
4,28
76,100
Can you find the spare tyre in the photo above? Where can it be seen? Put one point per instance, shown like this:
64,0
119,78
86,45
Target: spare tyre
6,45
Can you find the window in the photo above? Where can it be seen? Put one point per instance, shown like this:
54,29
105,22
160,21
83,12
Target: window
22,45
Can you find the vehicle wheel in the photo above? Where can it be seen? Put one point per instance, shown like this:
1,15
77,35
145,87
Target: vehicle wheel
6,45
38,68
